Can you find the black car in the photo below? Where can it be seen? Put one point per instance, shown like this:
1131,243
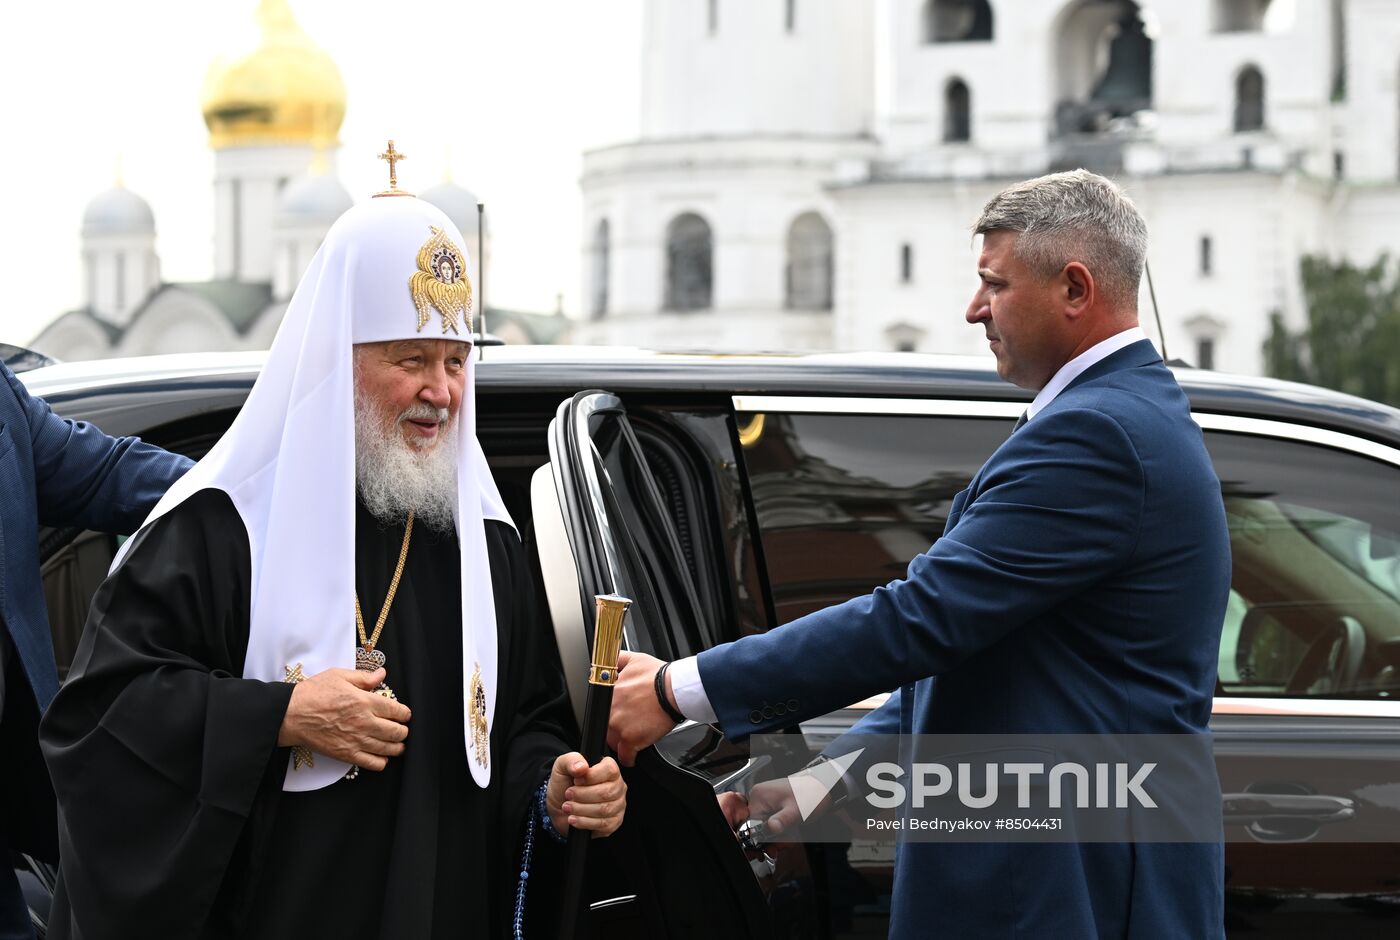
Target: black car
727,495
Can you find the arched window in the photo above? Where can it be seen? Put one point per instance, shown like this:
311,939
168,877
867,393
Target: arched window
1103,61
601,246
121,282
1205,352
689,263
1242,16
1249,99
957,21
810,263
1206,332
957,112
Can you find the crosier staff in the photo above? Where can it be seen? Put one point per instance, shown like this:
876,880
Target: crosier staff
607,645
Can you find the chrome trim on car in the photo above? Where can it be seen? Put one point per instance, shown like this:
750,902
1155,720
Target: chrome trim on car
1287,430
88,375
1308,707
948,407
963,408
1245,705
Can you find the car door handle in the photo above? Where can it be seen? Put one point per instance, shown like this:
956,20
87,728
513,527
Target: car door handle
1243,808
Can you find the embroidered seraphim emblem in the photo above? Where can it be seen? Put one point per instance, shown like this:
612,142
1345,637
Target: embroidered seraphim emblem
441,281
476,716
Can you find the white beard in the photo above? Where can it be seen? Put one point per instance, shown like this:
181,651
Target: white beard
394,477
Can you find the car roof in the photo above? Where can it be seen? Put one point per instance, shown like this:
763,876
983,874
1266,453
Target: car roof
565,369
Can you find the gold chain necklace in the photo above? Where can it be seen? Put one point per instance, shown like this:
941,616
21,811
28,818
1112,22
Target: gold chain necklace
366,656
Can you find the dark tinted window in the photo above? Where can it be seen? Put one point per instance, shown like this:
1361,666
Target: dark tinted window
845,502
1315,600
666,618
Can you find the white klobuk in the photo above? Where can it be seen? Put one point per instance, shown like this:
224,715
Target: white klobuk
288,463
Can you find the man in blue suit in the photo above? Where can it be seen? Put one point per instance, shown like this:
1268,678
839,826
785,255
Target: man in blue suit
53,472
1079,587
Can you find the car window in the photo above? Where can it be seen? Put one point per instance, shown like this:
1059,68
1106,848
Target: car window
1315,599
666,618
845,502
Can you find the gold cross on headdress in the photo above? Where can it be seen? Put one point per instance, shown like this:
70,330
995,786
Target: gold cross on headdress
393,157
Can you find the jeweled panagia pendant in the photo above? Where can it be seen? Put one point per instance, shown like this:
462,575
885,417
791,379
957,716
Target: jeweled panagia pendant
369,660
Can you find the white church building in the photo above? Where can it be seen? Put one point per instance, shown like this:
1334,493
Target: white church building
273,117
808,171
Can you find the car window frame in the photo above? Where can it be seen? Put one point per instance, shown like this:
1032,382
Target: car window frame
747,405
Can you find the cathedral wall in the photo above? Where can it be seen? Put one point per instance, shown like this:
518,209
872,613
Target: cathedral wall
178,322
1373,90
120,272
748,192
72,339
1196,68
247,183
1368,224
1257,224
750,75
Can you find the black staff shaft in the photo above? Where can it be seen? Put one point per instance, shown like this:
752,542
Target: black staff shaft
597,708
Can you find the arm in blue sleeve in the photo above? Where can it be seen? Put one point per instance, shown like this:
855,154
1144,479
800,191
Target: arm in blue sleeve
89,479
1058,509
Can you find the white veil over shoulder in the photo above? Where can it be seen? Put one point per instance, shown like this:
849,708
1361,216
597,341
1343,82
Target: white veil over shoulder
288,460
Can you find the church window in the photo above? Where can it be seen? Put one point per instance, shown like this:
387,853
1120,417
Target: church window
906,263
957,21
810,264
601,249
1339,51
1249,99
1243,16
1207,256
1205,353
1205,331
713,16
957,112
689,263
121,282
791,16
90,270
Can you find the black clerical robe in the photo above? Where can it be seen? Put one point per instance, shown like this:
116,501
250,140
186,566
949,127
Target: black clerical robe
173,819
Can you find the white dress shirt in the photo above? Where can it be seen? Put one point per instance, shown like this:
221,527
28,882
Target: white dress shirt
684,674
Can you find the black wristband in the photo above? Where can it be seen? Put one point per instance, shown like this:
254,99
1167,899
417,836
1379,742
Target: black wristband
666,706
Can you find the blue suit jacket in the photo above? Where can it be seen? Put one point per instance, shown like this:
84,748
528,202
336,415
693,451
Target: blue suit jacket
1079,587
58,473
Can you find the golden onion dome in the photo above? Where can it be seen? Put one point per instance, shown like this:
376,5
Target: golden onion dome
286,91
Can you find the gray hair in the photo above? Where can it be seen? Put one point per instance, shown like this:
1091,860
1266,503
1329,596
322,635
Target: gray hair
1075,216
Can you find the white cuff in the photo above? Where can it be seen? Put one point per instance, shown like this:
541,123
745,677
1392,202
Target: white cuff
689,691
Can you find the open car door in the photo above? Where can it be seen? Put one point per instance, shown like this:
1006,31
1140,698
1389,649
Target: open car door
674,869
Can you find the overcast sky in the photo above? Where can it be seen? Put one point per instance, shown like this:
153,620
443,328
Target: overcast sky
91,86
